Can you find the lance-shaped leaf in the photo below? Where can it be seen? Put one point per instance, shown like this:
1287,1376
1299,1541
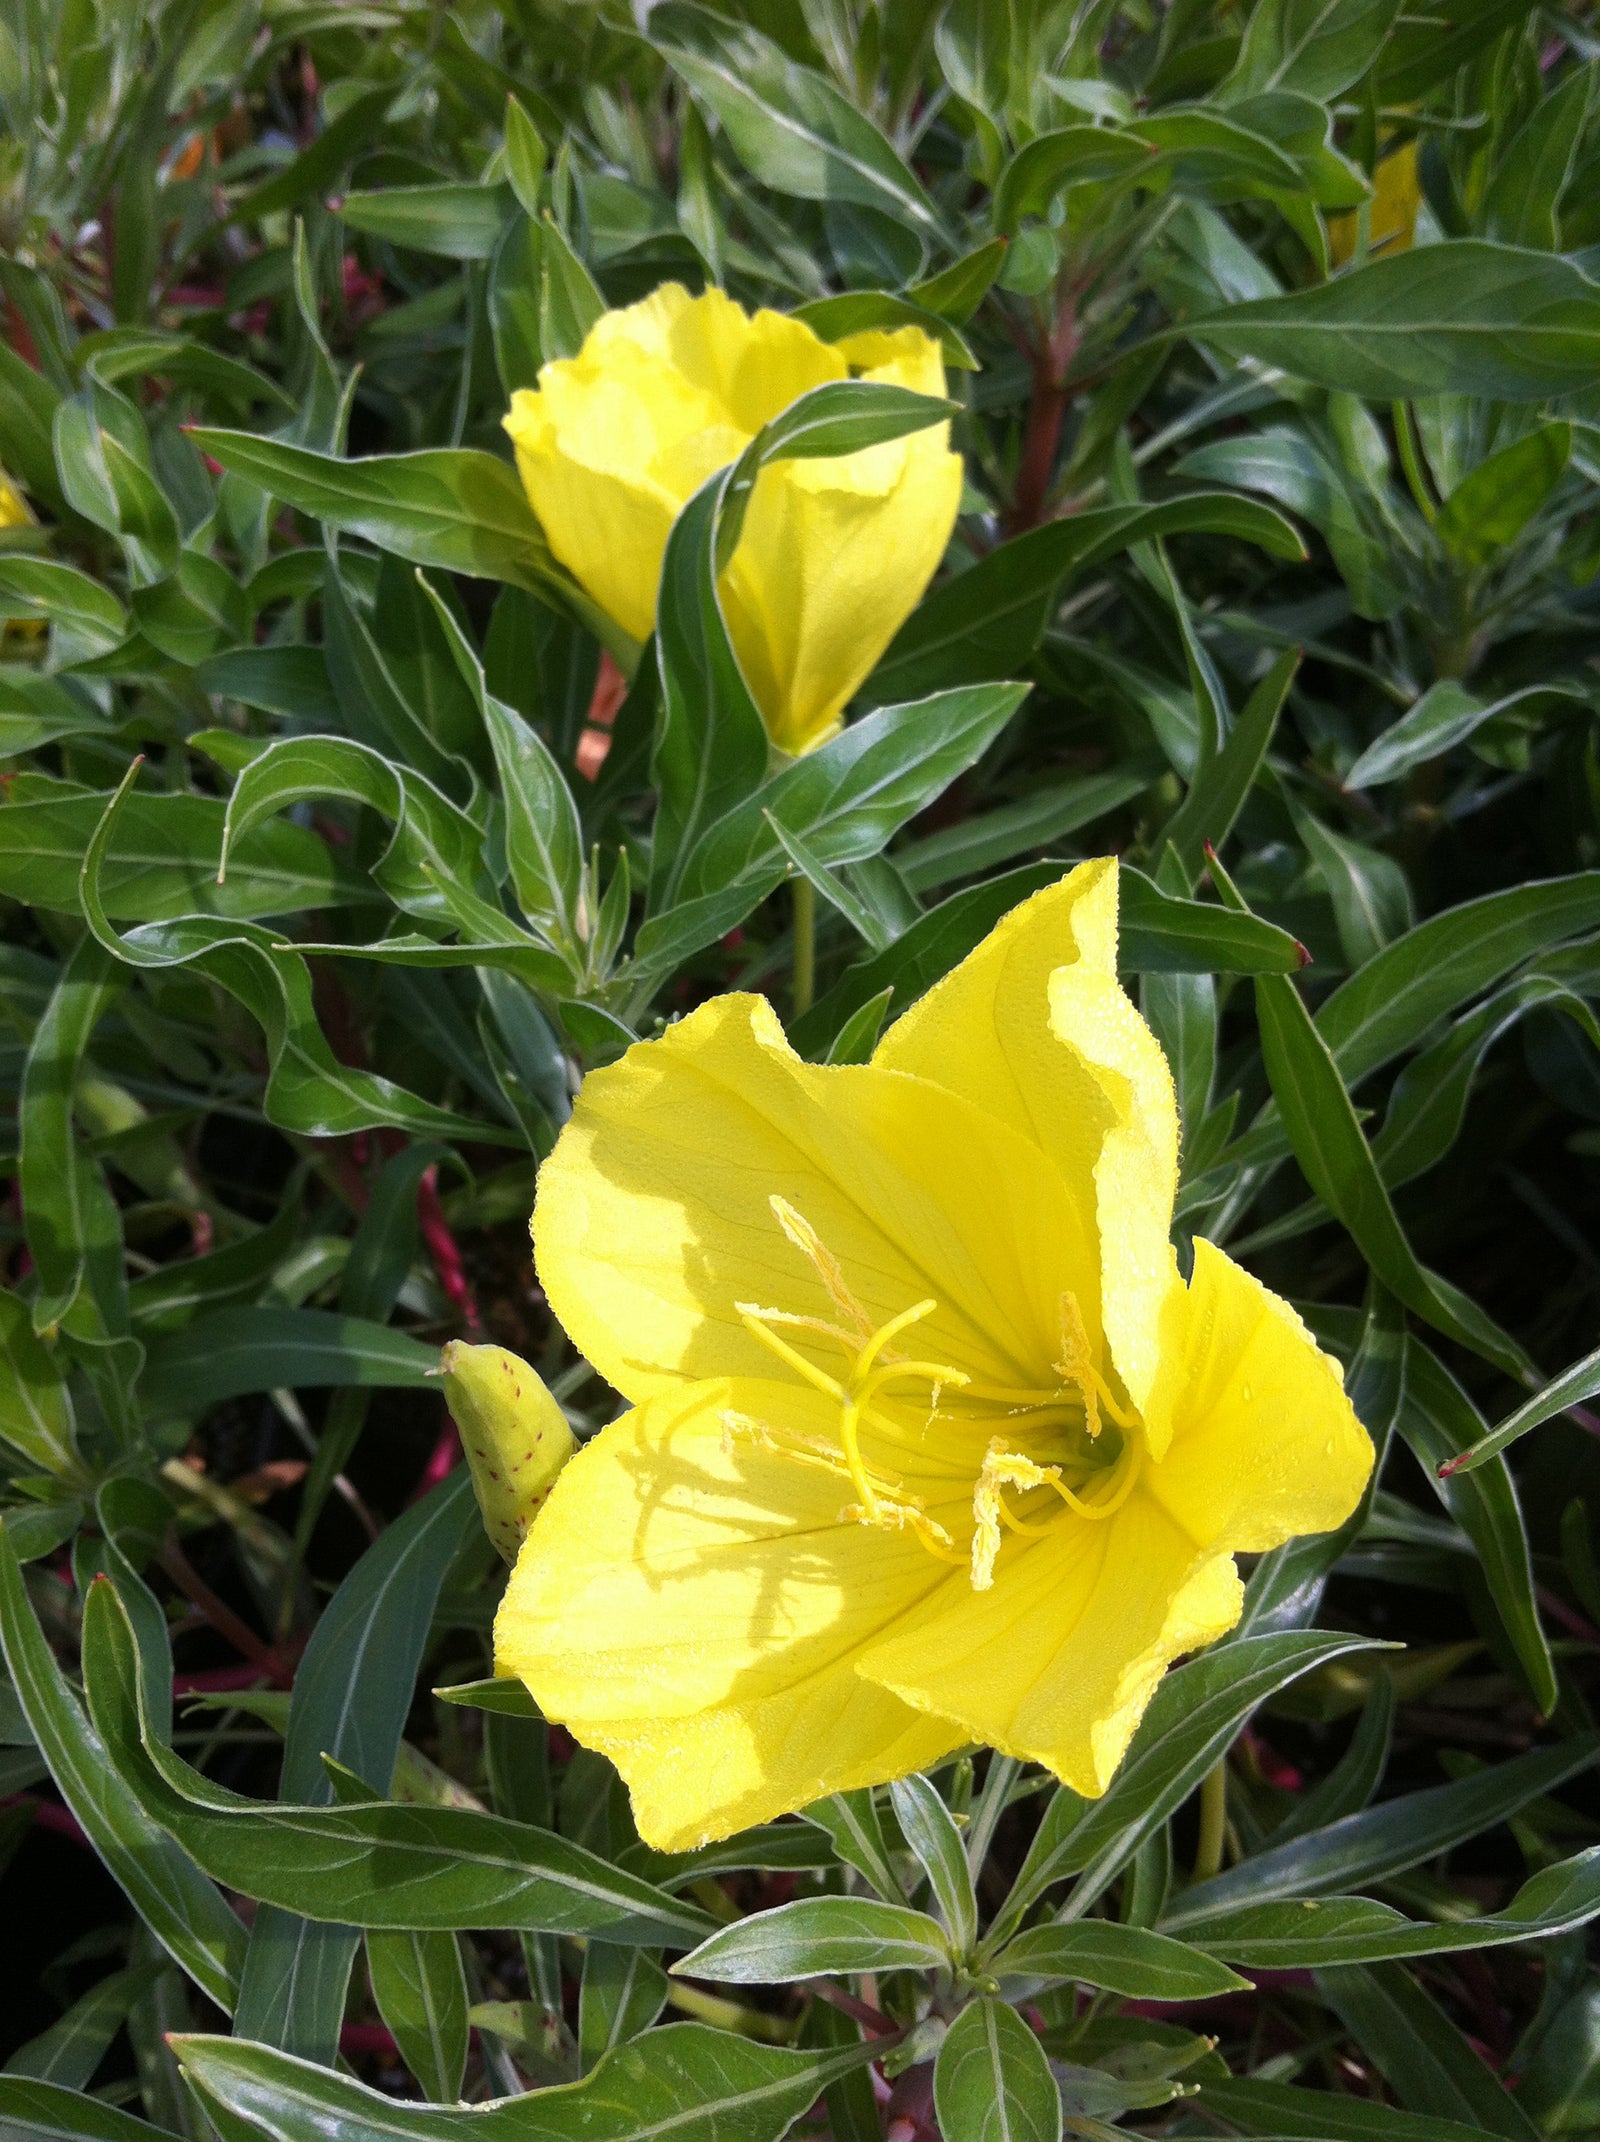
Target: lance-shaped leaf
988,620
694,2083
1337,1162
1130,1960
1461,317
1301,1933
352,1691
1381,1842
1193,1718
450,507
307,1088
385,1864
168,1890
820,1934
992,2081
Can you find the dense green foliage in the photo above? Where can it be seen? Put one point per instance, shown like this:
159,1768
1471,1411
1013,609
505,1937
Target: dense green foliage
1289,526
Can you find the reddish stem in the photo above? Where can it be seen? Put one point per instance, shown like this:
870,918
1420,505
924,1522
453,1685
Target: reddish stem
61,1821
1047,408
441,1461
443,1249
220,1615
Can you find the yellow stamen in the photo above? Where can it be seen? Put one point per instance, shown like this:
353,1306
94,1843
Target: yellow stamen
1078,1405
805,1238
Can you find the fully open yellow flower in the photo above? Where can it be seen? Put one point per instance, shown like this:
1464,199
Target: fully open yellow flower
834,553
930,1443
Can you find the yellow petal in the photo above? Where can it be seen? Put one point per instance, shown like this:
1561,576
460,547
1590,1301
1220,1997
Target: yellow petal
1264,1443
1136,1175
1035,1026
834,556
1057,1663
654,1218
691,1604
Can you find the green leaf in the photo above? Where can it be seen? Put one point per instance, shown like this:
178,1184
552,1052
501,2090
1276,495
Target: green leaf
1370,893
160,860
544,841
845,801
1427,49
1192,1720
1052,163
1420,2051
1423,976
72,2048
1460,317
321,161
1130,1960
307,1089
850,1822
992,2081
787,125
182,1909
36,1416
622,1993
1159,933
1522,201
459,222
819,1934
389,1865
33,2111
420,1990
1270,2108
1381,1842
1320,48
986,621
1217,793
1051,811
697,2084
1286,465
956,292
1439,1422
458,510
1303,1933
711,748
87,618
1446,715
37,710
1570,1388
352,1692
569,301
1337,1162
926,1824
264,1348
1491,507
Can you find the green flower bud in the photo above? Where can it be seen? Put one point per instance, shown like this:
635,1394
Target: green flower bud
515,1435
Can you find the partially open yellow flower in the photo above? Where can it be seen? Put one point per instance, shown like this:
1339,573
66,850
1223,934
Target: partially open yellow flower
930,1441
834,553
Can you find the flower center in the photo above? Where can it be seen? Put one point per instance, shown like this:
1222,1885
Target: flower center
1081,1449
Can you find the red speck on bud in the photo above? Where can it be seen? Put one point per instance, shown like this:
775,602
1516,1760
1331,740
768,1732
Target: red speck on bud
1211,853
1302,956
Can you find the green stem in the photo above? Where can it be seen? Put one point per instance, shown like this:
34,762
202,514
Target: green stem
1213,1821
1411,461
804,984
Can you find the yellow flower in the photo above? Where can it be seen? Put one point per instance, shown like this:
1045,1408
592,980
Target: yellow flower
15,511
834,553
1391,214
930,1443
